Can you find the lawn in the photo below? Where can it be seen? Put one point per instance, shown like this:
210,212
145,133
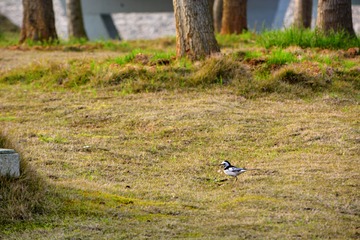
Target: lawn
113,148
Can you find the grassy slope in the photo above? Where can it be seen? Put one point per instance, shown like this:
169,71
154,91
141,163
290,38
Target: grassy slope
153,158
124,165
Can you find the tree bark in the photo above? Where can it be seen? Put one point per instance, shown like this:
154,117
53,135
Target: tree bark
218,13
336,15
38,21
195,36
303,13
75,19
234,17
211,10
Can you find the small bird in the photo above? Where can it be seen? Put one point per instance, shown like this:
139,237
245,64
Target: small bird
232,170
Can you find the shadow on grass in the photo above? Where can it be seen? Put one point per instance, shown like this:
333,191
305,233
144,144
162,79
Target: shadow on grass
22,198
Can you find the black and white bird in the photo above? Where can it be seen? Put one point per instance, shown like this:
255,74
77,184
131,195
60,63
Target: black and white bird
232,170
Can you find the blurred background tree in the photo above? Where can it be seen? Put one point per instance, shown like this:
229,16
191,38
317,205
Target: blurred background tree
335,15
234,19
217,14
75,19
38,21
211,9
195,36
303,13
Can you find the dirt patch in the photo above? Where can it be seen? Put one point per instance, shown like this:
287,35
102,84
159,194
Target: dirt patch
255,61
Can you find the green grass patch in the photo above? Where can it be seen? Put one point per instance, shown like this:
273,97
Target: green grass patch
247,39
252,54
306,38
281,57
129,76
8,38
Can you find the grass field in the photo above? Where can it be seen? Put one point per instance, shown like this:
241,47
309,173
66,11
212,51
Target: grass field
114,149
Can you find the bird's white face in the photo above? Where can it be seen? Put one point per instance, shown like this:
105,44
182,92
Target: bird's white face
225,164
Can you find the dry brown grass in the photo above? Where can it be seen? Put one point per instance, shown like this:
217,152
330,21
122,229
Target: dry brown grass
22,197
144,165
12,59
100,162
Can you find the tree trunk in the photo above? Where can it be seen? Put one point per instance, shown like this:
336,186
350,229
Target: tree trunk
303,13
234,17
75,19
336,15
195,36
38,21
211,10
218,13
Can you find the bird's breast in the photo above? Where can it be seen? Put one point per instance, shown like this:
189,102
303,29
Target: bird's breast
231,173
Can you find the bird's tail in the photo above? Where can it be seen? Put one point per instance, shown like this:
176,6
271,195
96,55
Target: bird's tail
252,169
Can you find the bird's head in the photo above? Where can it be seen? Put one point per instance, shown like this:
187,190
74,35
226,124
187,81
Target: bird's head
225,164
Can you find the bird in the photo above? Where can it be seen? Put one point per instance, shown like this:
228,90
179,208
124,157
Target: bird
232,170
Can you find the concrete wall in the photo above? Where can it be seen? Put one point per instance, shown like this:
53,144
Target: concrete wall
132,24
97,19
98,23
9,162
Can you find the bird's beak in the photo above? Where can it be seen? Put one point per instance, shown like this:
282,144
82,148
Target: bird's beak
221,164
